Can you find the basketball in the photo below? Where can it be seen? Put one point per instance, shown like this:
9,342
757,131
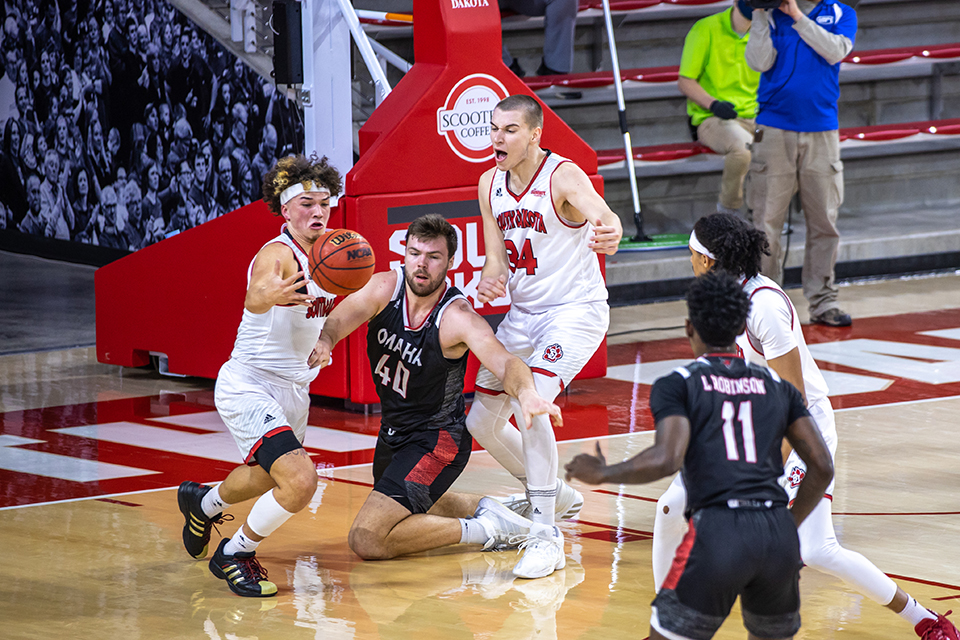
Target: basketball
341,261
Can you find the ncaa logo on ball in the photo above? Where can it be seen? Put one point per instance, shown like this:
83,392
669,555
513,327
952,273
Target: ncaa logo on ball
552,353
464,119
362,252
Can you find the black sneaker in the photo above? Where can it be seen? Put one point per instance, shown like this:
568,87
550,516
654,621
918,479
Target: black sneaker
196,524
544,70
243,573
833,318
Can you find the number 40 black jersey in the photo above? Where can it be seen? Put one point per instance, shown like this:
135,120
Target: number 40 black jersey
739,414
419,388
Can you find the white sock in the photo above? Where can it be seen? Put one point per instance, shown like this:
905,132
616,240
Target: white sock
914,613
669,527
240,543
212,503
472,531
544,503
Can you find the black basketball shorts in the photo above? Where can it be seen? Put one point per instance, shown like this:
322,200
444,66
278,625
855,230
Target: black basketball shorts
751,553
416,469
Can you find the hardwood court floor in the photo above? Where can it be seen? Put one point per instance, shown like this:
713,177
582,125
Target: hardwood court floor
90,456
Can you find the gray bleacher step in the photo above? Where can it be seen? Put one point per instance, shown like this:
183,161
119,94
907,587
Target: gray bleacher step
894,235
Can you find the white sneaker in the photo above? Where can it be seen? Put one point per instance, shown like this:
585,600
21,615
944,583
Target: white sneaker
505,529
568,503
542,552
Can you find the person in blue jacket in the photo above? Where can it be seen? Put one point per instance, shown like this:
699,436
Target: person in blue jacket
798,48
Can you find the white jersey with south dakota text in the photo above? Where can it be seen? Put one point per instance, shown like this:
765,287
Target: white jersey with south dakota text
773,330
550,260
280,340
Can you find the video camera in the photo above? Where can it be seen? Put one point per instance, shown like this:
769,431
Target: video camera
764,4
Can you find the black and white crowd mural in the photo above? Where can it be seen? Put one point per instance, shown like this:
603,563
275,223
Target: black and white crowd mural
123,123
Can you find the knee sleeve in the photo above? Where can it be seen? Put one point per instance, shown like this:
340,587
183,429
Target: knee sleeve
267,515
820,549
488,423
669,527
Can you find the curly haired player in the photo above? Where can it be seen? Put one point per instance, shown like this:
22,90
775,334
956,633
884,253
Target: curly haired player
724,242
262,390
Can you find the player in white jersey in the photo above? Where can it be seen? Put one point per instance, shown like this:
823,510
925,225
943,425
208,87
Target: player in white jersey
773,338
543,224
262,391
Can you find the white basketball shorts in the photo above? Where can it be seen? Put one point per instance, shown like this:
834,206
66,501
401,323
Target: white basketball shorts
794,469
253,402
558,342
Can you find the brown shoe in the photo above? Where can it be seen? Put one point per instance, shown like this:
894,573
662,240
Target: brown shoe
833,318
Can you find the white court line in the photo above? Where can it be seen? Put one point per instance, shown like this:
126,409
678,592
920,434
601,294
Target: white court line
328,470
896,404
322,473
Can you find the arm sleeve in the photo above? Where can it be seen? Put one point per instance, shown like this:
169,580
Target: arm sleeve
694,56
759,52
832,47
771,322
668,397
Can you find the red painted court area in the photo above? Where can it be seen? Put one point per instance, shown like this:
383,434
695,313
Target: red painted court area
136,444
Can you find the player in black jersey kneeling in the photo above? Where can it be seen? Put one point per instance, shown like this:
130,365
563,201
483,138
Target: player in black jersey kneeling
721,422
419,334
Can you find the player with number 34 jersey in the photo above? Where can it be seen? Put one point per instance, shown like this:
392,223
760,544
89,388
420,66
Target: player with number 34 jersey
543,224
551,262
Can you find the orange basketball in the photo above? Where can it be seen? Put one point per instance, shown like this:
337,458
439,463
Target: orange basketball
341,261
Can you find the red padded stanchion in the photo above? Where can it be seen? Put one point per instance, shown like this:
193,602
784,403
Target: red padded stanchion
183,297
423,150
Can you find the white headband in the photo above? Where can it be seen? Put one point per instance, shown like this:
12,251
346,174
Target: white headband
295,190
698,247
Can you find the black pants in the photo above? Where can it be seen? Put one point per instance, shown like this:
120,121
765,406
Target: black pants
751,553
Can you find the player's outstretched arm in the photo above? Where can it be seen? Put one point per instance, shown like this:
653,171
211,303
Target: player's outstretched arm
496,266
274,280
659,461
354,310
579,201
805,438
461,325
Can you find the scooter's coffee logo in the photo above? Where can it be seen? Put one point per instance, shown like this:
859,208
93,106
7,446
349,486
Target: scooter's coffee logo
464,120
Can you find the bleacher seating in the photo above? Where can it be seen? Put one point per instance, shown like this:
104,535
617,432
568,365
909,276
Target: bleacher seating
586,9
613,158
669,74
